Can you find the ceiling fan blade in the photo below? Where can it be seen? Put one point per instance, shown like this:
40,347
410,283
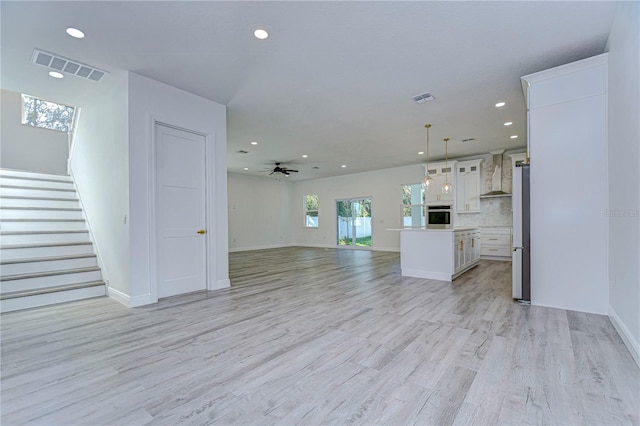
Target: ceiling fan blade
271,173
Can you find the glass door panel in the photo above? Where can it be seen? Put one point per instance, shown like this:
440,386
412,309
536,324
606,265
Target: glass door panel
354,222
345,223
362,222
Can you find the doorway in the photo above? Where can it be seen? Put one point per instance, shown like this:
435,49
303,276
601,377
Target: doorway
354,223
181,217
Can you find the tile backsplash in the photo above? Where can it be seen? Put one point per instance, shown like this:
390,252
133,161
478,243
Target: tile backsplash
494,212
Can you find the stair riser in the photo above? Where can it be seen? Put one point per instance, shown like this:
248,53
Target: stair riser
35,183
43,226
53,265
26,253
20,202
37,193
51,281
21,174
19,303
39,214
44,238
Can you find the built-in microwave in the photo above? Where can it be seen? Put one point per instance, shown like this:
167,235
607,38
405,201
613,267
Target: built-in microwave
440,216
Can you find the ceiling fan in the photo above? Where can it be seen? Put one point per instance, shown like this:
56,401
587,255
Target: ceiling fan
284,170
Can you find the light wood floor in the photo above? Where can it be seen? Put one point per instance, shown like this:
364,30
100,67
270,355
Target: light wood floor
316,336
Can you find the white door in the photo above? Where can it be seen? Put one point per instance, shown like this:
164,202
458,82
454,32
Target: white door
181,213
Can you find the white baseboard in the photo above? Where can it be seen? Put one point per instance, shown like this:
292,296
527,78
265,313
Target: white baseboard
502,258
393,249
271,246
219,284
625,334
128,301
118,296
316,245
429,275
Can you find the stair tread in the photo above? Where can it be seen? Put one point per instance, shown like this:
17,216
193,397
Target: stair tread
70,231
25,197
36,245
53,289
47,258
26,173
41,220
63,209
38,188
16,277
39,179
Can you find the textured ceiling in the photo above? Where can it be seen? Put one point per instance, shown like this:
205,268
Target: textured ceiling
334,80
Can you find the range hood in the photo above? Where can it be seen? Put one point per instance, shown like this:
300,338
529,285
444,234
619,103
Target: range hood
496,177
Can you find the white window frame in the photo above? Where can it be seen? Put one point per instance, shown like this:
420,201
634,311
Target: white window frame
24,121
421,206
306,217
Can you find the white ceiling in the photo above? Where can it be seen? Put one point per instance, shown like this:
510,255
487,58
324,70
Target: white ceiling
334,80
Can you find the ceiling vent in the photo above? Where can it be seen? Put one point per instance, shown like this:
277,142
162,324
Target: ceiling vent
425,97
468,140
69,66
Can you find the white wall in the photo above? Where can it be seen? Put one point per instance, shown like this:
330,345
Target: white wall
150,100
569,189
624,176
260,212
384,186
99,163
26,147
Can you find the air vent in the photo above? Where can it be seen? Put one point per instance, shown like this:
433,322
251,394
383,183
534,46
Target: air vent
242,151
425,97
69,66
468,140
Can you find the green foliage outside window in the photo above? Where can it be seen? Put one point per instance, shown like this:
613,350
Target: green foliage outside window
47,115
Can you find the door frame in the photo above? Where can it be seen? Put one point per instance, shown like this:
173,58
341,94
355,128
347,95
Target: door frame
209,182
352,246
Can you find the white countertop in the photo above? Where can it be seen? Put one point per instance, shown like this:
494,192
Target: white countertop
466,228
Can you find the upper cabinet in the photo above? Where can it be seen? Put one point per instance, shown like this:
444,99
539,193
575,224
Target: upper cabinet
440,173
467,186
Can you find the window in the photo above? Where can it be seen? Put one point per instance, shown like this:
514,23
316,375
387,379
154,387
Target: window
413,206
311,211
48,115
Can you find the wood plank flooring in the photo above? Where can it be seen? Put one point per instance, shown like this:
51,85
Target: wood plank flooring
318,336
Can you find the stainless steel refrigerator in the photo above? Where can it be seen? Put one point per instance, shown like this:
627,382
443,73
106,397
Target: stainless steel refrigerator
521,272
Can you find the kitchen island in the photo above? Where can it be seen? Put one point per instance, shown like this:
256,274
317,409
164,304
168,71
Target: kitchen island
438,254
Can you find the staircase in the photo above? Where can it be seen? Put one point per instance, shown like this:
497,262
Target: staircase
46,255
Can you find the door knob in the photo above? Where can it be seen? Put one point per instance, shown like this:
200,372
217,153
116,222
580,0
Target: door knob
202,232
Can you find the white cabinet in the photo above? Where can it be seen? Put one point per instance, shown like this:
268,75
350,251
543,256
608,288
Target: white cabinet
438,254
568,142
466,250
467,186
440,173
496,243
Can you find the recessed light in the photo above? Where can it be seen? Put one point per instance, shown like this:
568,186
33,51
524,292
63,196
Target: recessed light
305,156
55,74
508,123
514,136
246,168
260,34
254,143
421,153
343,166
75,33
500,104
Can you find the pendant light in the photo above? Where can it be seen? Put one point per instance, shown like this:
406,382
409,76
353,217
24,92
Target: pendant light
447,187
427,179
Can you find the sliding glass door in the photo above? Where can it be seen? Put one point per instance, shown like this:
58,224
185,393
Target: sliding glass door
354,222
